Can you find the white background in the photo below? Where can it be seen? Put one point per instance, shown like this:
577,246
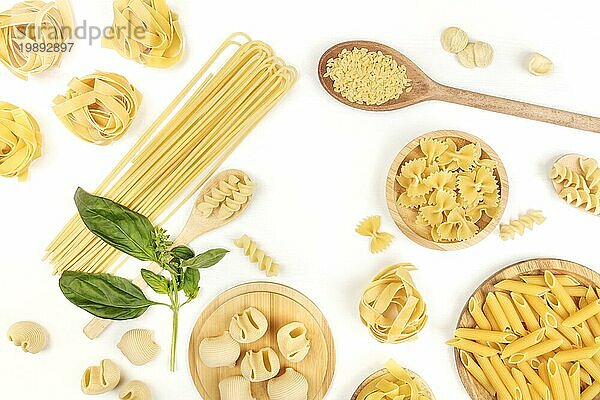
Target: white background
320,168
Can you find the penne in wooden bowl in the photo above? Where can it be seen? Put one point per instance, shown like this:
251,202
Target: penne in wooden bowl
407,218
532,327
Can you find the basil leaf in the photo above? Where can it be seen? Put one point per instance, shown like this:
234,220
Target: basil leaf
158,283
122,228
182,252
104,296
206,259
191,279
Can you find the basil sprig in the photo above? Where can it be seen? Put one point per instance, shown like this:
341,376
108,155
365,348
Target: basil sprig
111,297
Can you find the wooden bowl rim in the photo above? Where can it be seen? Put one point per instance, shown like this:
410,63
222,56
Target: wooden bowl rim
391,193
382,372
532,267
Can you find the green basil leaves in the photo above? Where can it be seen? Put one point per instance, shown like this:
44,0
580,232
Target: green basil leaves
205,260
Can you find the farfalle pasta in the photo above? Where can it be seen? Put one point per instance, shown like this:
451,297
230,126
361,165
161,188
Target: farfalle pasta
260,366
248,326
396,383
391,306
292,341
292,385
370,226
450,189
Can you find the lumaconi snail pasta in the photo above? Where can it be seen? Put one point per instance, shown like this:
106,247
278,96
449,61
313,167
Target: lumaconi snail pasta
292,385
220,351
292,341
138,346
248,326
261,365
101,378
135,390
30,336
235,388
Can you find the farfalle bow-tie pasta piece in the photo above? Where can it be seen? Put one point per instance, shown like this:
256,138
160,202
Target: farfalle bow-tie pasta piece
474,185
20,141
248,326
370,226
391,306
457,227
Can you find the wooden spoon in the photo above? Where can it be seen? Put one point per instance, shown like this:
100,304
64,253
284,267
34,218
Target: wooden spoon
425,88
196,225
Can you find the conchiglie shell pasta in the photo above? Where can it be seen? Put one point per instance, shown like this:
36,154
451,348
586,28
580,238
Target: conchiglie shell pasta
135,390
235,388
101,378
261,365
138,346
220,351
248,326
30,336
291,385
292,342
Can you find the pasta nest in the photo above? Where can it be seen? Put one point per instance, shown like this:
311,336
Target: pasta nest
20,141
396,383
34,22
98,108
450,189
146,31
391,306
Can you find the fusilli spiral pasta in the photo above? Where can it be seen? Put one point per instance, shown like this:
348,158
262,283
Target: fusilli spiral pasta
160,43
370,227
391,306
34,23
20,141
519,225
591,172
580,198
562,174
256,255
227,197
99,107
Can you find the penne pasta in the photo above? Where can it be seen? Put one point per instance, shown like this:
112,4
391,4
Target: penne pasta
560,292
565,280
536,350
497,313
478,315
589,311
488,314
507,379
481,335
536,381
555,379
566,383
593,323
575,380
475,370
521,287
591,392
493,377
511,314
522,382
577,354
535,395
472,347
524,342
525,311
553,302
591,367
576,291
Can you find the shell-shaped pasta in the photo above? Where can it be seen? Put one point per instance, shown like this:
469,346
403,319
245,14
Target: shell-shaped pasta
292,341
30,336
235,388
220,351
261,365
138,346
135,390
248,326
102,378
291,385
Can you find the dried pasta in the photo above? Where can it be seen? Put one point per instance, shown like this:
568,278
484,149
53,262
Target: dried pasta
101,378
260,366
248,326
539,64
256,255
555,358
227,197
152,34
98,108
31,337
591,172
396,383
188,142
220,351
454,40
292,341
135,390
235,388
391,306
292,385
518,226
47,26
367,77
371,226
581,199
138,346
450,189
562,174
20,141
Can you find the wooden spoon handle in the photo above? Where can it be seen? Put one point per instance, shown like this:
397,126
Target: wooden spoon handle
518,108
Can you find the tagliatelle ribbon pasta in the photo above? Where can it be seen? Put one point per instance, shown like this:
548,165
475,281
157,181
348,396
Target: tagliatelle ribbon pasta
396,383
146,31
20,141
391,306
34,23
99,107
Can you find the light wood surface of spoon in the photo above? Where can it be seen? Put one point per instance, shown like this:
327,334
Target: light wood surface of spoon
195,226
425,88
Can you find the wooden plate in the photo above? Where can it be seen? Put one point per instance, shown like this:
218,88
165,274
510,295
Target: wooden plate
405,218
530,267
281,305
382,372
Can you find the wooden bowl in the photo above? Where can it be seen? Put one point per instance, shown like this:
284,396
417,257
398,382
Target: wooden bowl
382,372
530,267
405,218
281,305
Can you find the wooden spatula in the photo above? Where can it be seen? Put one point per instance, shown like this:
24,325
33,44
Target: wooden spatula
197,225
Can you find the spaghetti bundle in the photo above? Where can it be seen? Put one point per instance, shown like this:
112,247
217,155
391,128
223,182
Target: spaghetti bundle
183,147
33,36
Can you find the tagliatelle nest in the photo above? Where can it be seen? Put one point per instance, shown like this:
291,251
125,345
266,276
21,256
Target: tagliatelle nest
99,107
29,23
